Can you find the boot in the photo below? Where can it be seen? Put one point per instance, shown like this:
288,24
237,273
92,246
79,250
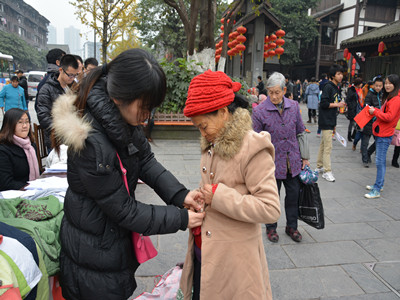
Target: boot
309,121
315,120
349,137
396,154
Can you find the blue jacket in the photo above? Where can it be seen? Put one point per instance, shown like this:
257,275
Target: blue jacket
11,97
312,94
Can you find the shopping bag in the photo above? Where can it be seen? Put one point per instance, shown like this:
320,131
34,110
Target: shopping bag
143,246
363,117
396,138
311,210
167,288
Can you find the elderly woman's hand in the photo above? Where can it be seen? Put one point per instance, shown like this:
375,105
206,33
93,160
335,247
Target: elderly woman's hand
305,163
206,190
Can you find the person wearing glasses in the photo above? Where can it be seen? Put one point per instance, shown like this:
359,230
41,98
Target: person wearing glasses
18,160
56,85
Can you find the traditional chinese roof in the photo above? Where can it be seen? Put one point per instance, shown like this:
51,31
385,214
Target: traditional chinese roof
386,33
326,12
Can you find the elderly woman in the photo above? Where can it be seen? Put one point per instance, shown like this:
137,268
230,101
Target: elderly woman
238,183
18,161
281,117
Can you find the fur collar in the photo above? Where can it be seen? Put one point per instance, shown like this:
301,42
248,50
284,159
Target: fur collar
69,127
230,140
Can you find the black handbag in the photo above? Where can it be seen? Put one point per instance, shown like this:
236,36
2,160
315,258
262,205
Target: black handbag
311,210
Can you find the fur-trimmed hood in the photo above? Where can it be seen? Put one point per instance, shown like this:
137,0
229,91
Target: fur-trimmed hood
230,140
69,127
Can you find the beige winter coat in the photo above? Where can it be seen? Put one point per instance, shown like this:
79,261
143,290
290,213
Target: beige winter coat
234,265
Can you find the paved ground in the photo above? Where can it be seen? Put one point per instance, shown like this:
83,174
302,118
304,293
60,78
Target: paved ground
356,256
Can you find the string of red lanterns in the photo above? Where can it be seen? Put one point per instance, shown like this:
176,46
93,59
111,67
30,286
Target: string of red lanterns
273,44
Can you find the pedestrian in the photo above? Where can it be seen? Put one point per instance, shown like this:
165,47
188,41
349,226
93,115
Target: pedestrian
383,129
304,88
56,85
355,103
281,117
289,85
97,257
238,182
396,153
12,96
18,160
89,64
298,89
311,98
53,58
260,86
330,102
373,98
23,82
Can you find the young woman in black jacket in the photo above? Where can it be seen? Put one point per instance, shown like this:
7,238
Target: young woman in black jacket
18,160
97,257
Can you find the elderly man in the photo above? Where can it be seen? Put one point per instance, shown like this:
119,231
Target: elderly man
281,117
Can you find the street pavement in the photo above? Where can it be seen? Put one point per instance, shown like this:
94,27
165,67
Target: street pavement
357,254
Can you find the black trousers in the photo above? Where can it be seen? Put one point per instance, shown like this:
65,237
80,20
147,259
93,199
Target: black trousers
396,154
196,279
292,189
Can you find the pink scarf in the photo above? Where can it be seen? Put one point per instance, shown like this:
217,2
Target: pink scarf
30,155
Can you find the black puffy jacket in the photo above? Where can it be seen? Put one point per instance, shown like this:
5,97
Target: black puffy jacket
97,257
49,92
14,167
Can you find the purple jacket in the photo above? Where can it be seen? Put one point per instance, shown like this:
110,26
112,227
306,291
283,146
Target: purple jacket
283,129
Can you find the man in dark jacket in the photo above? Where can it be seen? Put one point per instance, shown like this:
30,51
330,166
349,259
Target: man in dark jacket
330,101
373,98
53,58
56,85
260,86
23,82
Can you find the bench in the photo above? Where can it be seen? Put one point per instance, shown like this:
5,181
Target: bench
172,119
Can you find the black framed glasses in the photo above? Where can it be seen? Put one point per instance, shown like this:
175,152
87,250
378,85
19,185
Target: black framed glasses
70,75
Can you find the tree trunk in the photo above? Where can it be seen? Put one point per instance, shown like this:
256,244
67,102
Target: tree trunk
207,20
191,38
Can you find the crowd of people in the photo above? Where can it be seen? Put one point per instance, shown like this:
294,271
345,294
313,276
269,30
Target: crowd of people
246,156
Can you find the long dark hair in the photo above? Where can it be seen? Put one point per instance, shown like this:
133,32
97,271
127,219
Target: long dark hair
395,80
134,74
11,118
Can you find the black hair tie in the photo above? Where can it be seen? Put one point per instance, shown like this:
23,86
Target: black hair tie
104,68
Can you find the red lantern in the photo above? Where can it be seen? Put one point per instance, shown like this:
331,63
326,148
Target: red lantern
216,46
234,43
353,72
354,61
222,27
381,48
348,56
241,29
230,53
272,37
218,51
240,48
222,35
217,57
280,33
231,36
230,45
272,45
345,53
353,66
271,53
222,21
266,56
280,42
266,39
220,43
279,51
235,34
266,47
241,39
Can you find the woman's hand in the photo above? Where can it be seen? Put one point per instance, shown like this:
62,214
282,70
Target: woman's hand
195,219
371,110
194,201
305,163
206,190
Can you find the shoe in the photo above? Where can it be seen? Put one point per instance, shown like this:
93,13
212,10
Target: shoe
354,147
309,121
272,235
315,119
318,135
371,187
366,165
369,158
306,130
372,194
294,234
395,164
319,170
328,176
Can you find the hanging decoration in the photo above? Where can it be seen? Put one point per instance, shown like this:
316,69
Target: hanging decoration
381,48
345,53
241,30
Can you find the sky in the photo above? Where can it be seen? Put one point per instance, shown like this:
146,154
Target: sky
61,15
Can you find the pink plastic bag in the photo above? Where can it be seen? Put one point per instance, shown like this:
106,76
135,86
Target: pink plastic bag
167,288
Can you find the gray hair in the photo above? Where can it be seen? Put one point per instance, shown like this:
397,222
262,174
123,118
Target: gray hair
276,79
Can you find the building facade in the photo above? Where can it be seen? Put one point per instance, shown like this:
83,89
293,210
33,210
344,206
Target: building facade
52,36
88,50
339,20
20,18
73,39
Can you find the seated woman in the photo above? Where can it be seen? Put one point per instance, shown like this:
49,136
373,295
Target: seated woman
18,160
226,257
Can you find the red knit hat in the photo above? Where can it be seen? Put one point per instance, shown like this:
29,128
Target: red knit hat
208,92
